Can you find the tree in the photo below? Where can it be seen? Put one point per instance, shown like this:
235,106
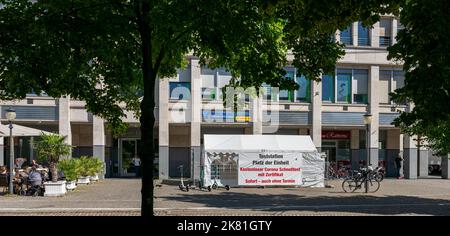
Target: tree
50,148
111,52
423,47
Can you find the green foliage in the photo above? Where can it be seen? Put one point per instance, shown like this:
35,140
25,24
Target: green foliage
88,166
109,53
50,148
69,167
423,46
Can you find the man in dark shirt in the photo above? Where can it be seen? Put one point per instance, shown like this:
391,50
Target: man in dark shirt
398,165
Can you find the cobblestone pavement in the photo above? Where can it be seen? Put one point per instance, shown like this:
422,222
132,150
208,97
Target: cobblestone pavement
395,197
109,197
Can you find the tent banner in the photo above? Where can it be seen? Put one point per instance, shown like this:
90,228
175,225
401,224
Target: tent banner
270,168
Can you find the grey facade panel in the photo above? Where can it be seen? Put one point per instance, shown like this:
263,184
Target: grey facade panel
343,118
387,118
294,117
33,112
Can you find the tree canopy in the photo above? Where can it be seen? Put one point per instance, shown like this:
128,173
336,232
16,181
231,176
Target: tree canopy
110,52
423,46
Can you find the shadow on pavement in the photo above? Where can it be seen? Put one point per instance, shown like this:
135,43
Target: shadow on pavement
353,203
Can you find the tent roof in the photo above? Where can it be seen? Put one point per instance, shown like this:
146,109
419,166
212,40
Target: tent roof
20,131
259,142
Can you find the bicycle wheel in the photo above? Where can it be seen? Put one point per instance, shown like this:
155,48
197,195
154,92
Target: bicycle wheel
373,186
349,185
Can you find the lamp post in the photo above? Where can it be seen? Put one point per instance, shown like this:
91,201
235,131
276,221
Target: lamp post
367,122
11,115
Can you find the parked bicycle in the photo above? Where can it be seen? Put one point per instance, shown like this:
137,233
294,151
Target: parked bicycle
343,172
358,181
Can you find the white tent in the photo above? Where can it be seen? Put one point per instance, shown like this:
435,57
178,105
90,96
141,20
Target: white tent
262,160
20,131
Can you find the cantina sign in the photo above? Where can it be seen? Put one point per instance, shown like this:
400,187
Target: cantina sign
335,134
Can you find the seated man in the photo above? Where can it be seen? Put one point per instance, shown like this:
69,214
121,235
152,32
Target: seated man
34,163
34,177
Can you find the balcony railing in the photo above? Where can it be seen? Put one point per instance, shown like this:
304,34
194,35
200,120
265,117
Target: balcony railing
385,41
363,42
346,40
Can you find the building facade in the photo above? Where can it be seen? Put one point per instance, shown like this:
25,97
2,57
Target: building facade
190,105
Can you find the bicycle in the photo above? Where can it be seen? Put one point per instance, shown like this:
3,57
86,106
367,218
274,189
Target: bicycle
358,181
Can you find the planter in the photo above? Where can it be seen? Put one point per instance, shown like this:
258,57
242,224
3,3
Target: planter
94,178
83,180
71,185
55,189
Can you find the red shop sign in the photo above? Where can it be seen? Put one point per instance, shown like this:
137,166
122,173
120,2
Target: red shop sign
335,134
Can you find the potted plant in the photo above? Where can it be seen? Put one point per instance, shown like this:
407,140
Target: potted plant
50,148
83,170
69,168
96,167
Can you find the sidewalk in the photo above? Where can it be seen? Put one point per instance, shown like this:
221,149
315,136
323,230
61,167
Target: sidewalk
106,197
395,197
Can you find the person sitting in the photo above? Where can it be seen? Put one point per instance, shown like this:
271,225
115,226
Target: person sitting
34,177
35,163
3,170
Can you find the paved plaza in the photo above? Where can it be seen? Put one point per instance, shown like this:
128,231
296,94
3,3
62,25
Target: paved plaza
395,197
121,197
109,197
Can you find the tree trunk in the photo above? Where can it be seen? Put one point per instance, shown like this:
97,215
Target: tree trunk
54,172
147,118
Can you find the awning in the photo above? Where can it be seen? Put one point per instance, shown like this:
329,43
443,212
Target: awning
21,131
218,143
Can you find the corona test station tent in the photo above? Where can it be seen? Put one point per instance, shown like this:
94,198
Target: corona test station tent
262,160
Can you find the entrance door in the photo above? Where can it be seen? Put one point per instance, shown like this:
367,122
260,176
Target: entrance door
329,147
128,149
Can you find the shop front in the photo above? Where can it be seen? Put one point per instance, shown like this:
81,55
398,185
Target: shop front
336,144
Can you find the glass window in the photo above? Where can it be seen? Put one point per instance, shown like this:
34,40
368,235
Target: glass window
399,26
286,95
328,88
180,90
304,90
385,32
360,78
363,35
346,36
343,84
267,91
208,84
223,79
399,80
384,87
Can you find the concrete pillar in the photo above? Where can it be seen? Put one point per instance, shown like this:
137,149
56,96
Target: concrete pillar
422,160
64,119
316,114
337,36
355,33
375,35
196,111
354,147
98,141
31,149
303,131
257,113
393,149
163,128
394,31
2,148
374,110
445,165
410,157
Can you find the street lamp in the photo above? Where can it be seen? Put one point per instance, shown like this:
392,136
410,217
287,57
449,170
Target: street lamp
11,115
367,122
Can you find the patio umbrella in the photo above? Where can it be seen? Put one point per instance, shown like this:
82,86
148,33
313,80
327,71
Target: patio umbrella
21,131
